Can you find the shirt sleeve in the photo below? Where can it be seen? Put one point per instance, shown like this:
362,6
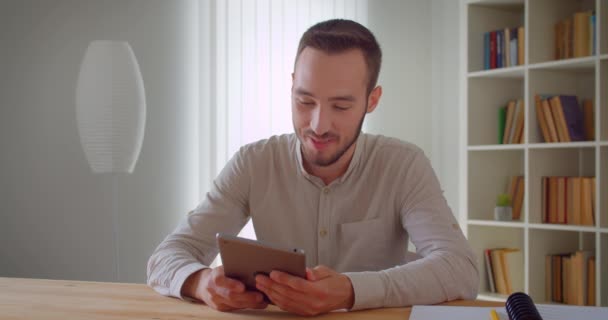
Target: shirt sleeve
447,270
192,246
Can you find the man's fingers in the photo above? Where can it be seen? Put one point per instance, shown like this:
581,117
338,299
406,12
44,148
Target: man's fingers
320,272
232,284
285,302
244,300
293,282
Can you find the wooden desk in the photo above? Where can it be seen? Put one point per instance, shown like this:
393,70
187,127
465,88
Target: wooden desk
54,299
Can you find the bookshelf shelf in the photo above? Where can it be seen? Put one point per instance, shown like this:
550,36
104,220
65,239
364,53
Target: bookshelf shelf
496,147
510,72
575,64
504,224
562,145
486,166
561,227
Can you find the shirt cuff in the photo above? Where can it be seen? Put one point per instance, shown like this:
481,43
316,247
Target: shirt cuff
180,277
368,288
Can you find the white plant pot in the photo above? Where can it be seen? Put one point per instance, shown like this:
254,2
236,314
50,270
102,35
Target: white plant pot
503,213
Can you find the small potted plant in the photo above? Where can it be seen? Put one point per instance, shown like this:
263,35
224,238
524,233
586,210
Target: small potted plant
503,211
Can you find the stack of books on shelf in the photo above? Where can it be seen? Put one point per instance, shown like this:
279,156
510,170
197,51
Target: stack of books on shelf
568,200
516,193
570,278
511,123
504,268
561,118
503,48
575,36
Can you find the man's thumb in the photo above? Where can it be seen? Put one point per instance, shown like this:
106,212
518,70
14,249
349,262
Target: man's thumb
318,273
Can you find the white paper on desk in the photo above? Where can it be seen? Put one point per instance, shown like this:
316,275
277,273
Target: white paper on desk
455,313
547,312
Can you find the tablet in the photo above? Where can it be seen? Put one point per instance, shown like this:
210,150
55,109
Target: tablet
243,259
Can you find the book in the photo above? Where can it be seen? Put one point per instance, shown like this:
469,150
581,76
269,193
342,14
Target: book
557,278
581,34
499,48
587,218
520,45
518,123
488,260
565,281
575,203
549,118
507,47
561,200
593,34
497,269
591,281
588,120
542,123
570,210
493,50
545,199
513,263
552,200
514,47
486,51
568,45
502,119
573,115
558,40
509,121
548,277
559,119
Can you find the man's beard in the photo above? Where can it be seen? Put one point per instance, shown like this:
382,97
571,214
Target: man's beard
333,159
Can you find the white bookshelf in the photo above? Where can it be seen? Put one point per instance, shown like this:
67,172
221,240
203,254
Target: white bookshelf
486,166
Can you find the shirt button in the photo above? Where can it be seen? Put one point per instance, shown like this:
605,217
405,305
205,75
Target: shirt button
326,190
323,232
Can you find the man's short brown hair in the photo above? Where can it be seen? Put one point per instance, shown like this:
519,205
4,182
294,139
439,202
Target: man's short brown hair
339,35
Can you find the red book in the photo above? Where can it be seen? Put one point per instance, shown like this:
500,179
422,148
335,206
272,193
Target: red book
493,50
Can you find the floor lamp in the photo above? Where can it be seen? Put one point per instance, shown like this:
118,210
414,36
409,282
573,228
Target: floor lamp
111,114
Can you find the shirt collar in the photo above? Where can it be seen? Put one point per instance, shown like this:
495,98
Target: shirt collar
359,144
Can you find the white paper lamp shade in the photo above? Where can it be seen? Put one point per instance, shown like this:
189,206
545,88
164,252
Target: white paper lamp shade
110,107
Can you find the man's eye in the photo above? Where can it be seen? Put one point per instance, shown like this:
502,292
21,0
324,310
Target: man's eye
341,108
307,103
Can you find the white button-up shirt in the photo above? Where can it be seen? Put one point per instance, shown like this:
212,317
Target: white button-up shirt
358,225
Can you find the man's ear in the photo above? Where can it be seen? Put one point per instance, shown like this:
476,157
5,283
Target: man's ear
374,99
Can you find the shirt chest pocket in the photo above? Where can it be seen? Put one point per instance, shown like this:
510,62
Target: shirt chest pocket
366,245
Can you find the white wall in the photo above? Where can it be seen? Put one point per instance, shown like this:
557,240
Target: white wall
403,29
419,39
445,72
55,215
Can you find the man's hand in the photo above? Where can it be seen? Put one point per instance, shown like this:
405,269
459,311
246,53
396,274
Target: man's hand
322,291
220,292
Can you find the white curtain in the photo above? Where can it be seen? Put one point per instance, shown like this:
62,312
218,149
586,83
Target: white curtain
252,46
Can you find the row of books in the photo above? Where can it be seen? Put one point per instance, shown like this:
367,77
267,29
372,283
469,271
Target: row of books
575,36
511,122
562,119
516,194
503,48
570,278
504,268
568,200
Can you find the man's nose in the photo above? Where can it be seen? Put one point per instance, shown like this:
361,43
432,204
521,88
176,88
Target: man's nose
320,122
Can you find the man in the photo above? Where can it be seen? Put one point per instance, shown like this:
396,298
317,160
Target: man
350,200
